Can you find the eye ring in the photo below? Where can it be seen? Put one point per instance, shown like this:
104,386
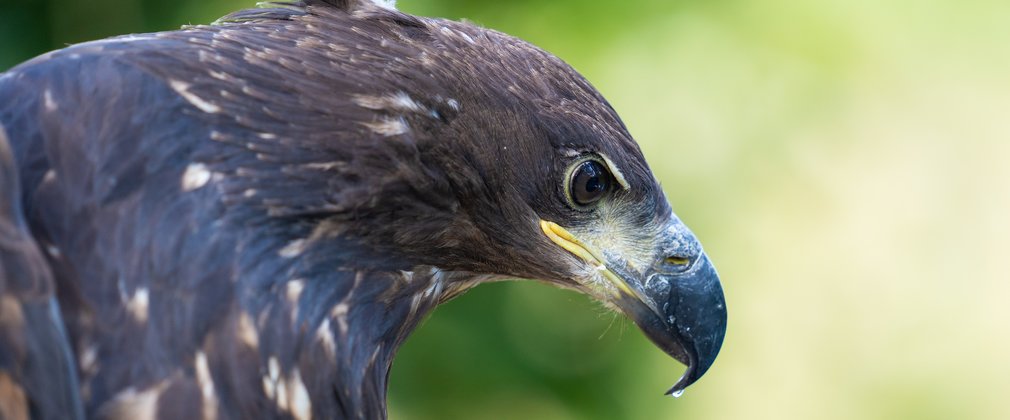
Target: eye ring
588,182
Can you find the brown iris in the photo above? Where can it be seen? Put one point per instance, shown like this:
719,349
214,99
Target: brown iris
590,182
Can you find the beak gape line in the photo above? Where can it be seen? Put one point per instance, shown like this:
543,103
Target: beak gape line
570,243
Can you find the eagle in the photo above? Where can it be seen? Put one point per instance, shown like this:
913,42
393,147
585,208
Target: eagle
246,219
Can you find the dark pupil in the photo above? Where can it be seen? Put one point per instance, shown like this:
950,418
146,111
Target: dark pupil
589,182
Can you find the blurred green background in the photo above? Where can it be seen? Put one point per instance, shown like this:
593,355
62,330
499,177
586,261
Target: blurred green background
845,162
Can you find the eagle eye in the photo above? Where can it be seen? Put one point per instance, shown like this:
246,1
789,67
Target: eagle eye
589,182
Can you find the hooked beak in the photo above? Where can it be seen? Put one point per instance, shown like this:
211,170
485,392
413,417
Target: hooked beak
678,302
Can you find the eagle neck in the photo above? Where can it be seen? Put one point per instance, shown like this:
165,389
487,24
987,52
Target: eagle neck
349,326
380,327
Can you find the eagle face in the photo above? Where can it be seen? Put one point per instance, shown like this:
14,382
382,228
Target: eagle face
257,213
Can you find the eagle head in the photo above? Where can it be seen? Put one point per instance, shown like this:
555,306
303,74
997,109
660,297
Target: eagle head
499,160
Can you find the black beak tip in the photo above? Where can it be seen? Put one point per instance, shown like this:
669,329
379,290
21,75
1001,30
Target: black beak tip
697,307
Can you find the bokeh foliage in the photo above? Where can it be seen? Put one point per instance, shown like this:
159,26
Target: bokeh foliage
846,163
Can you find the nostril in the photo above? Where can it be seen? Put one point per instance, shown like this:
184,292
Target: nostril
678,260
676,264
